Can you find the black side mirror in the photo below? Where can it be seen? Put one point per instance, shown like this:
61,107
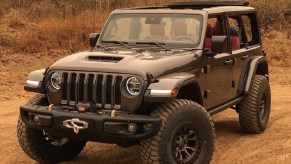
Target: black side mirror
219,44
93,37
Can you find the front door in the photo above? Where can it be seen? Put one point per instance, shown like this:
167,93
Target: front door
218,69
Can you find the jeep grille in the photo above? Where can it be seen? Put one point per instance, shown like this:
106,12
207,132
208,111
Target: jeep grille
101,89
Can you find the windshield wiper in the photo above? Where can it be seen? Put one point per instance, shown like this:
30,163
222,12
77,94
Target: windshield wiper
159,44
117,42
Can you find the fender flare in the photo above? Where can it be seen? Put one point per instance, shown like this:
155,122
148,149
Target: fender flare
254,66
38,77
171,82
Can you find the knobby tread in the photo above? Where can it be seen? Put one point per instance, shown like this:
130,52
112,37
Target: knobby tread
249,115
37,151
151,152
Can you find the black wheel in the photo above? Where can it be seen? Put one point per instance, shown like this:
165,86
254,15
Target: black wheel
186,135
43,148
254,110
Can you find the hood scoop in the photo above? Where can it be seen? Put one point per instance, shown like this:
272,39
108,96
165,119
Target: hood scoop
110,59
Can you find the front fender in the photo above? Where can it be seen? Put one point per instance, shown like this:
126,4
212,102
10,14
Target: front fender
167,87
36,82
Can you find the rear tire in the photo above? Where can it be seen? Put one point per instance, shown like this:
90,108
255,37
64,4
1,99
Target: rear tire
186,135
254,110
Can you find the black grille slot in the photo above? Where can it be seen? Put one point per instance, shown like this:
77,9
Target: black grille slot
81,87
117,90
102,89
64,86
90,87
72,87
108,89
99,89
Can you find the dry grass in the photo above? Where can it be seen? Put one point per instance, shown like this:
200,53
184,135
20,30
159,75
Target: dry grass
33,26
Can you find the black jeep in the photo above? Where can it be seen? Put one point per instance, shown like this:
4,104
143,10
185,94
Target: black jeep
153,78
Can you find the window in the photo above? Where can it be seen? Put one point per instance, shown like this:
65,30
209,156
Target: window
248,28
171,29
251,29
215,27
243,30
235,30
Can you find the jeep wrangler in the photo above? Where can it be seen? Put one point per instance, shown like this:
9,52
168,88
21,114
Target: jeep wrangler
153,78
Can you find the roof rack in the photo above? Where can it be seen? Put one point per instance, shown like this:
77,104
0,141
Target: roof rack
206,4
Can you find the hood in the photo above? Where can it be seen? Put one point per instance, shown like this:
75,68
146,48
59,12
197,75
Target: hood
157,63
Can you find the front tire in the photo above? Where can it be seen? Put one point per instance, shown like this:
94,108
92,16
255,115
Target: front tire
46,150
254,110
185,137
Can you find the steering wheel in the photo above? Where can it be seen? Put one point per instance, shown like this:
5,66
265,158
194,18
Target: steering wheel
181,38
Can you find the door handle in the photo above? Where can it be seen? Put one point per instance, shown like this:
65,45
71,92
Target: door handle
244,57
228,62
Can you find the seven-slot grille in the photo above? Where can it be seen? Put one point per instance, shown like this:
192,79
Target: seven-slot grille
101,89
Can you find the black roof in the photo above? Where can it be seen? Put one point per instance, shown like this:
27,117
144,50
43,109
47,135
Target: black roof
197,5
206,4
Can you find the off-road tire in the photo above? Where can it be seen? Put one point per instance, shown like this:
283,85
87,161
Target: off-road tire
251,118
35,144
175,114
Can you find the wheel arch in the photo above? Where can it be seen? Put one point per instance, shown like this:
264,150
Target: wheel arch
257,66
190,91
186,84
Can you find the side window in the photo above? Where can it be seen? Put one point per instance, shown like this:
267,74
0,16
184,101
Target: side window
243,30
215,27
247,27
235,30
250,24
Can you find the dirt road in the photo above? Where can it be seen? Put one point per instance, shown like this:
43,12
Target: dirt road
232,145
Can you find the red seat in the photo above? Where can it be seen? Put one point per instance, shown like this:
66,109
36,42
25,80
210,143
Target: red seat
208,41
157,32
217,28
235,43
234,40
179,27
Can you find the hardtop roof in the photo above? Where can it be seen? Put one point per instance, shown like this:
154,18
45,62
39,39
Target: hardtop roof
211,7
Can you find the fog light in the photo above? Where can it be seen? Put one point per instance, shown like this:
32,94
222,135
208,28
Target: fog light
132,127
36,118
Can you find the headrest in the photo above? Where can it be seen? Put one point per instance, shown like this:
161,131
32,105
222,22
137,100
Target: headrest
209,31
179,27
157,29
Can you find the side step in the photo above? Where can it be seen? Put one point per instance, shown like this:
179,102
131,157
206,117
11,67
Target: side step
225,106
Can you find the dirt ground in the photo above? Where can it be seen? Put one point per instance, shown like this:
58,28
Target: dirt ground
232,145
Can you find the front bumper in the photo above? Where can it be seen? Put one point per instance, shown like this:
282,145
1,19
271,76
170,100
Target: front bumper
101,126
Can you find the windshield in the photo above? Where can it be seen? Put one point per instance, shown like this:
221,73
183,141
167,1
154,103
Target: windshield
179,30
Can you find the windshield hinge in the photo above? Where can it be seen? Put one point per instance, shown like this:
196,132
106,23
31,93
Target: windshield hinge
206,69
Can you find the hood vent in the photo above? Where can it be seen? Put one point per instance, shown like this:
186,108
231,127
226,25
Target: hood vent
110,59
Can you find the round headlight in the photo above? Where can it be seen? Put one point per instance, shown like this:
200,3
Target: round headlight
56,80
133,86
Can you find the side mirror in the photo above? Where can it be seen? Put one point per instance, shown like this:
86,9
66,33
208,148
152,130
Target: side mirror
93,37
219,44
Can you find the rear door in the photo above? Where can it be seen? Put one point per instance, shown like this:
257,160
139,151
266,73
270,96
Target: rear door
245,43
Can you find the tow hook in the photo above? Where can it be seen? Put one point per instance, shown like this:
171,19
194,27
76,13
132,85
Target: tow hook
113,113
50,107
